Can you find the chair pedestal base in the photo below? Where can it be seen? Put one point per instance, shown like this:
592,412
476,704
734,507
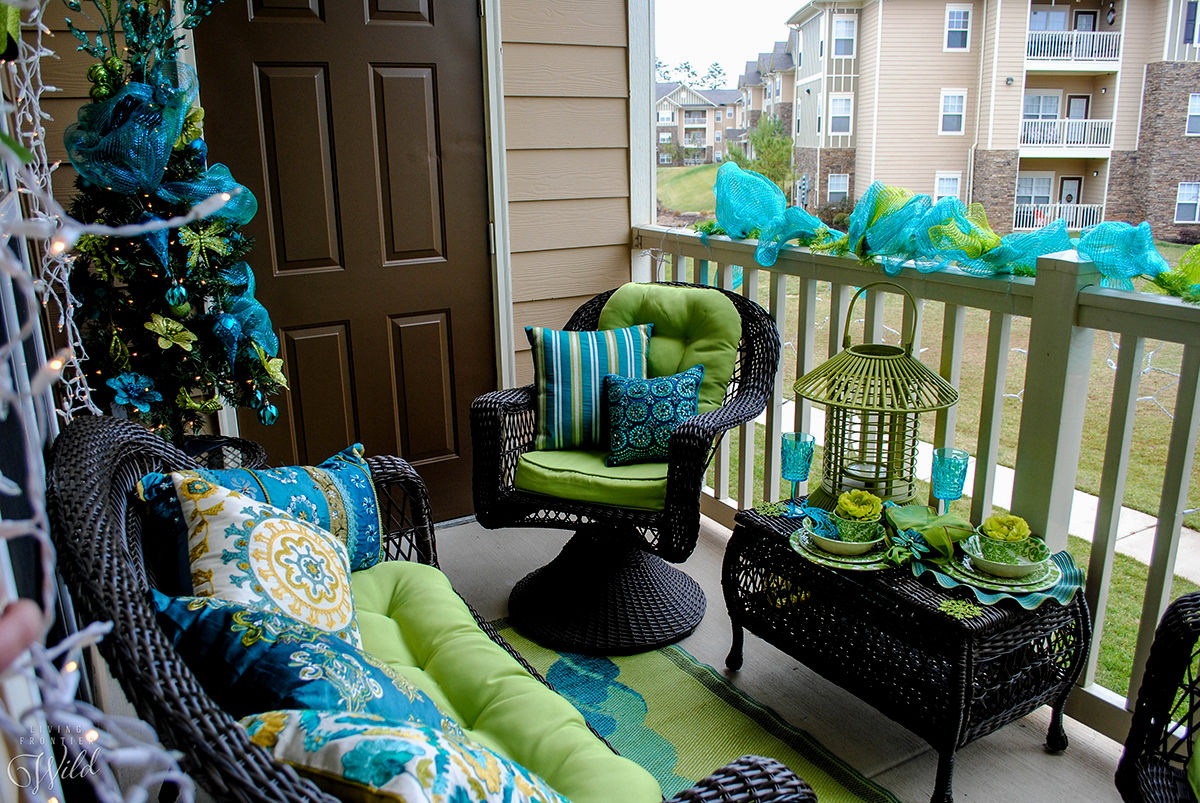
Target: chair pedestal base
601,596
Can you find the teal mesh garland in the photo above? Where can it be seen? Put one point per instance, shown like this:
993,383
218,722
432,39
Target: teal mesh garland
902,229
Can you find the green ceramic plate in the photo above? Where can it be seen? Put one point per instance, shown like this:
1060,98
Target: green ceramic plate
960,570
872,561
1035,578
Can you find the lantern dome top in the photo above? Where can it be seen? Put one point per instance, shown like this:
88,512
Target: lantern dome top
876,377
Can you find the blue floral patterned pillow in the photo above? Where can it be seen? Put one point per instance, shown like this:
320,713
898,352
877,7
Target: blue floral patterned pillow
364,757
249,660
337,495
642,414
245,551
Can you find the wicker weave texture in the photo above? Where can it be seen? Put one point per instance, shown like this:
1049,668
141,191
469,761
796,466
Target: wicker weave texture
1153,766
882,637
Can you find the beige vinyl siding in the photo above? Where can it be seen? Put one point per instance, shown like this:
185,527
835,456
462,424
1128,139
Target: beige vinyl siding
1101,88
908,147
806,110
1093,186
1002,117
810,48
1177,49
566,90
1139,45
864,100
841,78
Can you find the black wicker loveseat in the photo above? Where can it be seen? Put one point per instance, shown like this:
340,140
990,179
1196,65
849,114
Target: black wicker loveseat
97,530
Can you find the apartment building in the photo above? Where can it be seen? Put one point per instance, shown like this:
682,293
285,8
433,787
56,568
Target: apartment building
697,121
1086,111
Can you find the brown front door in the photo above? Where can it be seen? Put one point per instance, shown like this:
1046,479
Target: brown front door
360,128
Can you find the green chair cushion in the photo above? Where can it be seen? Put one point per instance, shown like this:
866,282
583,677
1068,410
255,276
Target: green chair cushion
582,475
412,619
692,326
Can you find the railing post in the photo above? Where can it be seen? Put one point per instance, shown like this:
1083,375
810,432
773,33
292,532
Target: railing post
1056,384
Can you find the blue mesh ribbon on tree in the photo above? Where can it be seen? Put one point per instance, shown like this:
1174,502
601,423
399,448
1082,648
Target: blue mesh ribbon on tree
241,207
123,144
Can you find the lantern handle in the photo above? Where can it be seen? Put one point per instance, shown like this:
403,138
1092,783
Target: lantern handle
907,343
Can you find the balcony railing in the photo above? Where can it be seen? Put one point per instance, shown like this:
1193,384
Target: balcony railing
1078,216
695,119
1080,46
695,142
1061,320
1080,134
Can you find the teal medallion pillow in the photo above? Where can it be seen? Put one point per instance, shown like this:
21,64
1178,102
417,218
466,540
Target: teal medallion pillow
643,413
250,659
245,551
569,370
365,757
337,495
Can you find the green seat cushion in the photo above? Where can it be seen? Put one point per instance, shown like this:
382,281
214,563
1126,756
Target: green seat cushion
692,326
582,475
412,619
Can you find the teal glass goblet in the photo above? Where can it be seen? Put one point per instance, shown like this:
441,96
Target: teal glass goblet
949,474
796,459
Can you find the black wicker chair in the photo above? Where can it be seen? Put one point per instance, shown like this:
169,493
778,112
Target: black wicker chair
1153,766
97,530
611,591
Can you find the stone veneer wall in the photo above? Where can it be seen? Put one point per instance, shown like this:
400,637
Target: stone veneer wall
994,184
835,160
784,112
1166,155
1124,199
804,162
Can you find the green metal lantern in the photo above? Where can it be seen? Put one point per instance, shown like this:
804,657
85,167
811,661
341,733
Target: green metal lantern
872,394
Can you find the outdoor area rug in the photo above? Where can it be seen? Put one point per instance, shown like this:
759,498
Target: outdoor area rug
681,720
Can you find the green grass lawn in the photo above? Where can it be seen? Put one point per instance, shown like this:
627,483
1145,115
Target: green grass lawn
687,189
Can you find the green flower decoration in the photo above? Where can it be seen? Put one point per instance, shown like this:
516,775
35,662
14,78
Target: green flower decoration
170,332
272,365
959,608
201,241
1006,528
185,400
193,128
859,505
771,509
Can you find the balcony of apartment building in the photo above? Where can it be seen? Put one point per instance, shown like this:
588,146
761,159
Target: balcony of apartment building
1082,138
1075,38
694,119
1049,190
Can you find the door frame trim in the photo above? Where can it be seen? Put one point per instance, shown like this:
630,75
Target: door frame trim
497,170
642,165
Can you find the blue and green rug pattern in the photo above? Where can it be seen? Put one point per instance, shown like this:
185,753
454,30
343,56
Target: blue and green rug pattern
681,719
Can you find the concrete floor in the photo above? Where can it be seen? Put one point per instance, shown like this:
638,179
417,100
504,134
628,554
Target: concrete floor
1008,765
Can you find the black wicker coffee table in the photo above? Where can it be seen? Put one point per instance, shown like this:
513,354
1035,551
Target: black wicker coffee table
893,641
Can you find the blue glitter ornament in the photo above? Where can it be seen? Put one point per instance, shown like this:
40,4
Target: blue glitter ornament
268,415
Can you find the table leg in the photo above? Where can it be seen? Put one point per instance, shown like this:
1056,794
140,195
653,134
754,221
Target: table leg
734,659
943,791
1056,736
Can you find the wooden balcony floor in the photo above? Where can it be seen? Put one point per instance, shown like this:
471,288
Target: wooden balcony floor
1007,765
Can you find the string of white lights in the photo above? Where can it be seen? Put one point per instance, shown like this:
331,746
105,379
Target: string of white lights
90,738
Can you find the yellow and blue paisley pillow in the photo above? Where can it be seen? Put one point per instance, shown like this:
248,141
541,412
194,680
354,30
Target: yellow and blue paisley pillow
245,551
250,659
337,495
364,757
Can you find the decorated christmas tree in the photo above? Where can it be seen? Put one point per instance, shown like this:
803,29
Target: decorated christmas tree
169,319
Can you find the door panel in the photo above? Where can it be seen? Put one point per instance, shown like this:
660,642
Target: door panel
360,128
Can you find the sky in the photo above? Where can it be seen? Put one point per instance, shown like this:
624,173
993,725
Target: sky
730,33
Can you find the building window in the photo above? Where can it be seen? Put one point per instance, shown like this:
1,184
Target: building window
718,136
716,156
958,28
1193,119
845,30
666,116
778,85
954,108
1048,19
1189,23
841,108
1034,189
729,114
1040,107
1187,202
664,136
839,187
664,158
798,124
946,185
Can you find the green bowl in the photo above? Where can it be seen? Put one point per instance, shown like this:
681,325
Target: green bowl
1031,554
856,530
837,547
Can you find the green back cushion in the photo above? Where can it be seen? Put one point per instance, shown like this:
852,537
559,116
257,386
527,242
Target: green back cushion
692,326
412,620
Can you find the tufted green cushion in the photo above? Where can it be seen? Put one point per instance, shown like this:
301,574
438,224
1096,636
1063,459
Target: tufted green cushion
692,325
583,475
412,619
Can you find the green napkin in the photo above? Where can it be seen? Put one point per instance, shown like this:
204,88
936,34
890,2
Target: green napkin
940,532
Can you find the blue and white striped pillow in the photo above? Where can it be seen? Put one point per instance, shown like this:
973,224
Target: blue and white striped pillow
569,370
